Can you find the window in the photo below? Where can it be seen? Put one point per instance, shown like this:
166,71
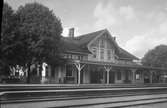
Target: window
73,56
118,75
102,43
94,52
80,57
138,75
64,56
69,56
76,57
102,54
69,70
109,54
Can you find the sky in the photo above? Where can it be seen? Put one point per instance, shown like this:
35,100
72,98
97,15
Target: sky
138,25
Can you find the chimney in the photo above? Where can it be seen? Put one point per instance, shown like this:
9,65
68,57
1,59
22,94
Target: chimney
71,32
114,38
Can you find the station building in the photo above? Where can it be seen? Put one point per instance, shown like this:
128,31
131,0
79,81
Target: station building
96,58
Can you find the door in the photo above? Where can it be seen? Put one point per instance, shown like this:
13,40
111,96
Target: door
112,77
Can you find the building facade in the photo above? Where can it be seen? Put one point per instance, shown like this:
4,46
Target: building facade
96,58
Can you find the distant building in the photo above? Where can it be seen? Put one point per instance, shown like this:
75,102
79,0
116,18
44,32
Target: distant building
96,58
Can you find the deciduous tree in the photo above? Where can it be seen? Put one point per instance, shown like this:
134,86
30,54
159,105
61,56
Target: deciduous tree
36,36
39,31
156,57
7,38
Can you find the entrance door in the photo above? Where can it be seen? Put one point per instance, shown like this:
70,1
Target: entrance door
112,77
146,78
96,77
127,77
69,78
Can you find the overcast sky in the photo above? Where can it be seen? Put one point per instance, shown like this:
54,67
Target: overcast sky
139,25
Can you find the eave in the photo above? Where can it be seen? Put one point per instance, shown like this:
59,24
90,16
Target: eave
75,52
135,66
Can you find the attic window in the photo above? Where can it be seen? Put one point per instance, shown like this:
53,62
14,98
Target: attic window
102,54
94,52
109,54
102,43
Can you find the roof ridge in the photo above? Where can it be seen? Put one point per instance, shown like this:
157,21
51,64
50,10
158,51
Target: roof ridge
79,36
89,33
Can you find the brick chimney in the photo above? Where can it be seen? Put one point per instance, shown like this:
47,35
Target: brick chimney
114,38
71,32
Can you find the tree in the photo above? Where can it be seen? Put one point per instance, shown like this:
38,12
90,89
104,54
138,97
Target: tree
39,30
7,21
156,57
35,37
7,34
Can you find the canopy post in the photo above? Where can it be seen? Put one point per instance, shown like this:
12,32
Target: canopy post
79,68
108,68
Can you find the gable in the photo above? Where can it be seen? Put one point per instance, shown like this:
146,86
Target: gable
104,41
106,38
103,48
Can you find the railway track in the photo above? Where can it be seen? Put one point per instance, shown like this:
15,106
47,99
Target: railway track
118,102
86,97
21,87
111,102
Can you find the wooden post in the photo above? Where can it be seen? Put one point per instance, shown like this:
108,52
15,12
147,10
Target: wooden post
79,77
79,67
108,68
108,77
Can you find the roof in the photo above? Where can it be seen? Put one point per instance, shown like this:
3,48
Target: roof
86,38
79,44
124,54
71,45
